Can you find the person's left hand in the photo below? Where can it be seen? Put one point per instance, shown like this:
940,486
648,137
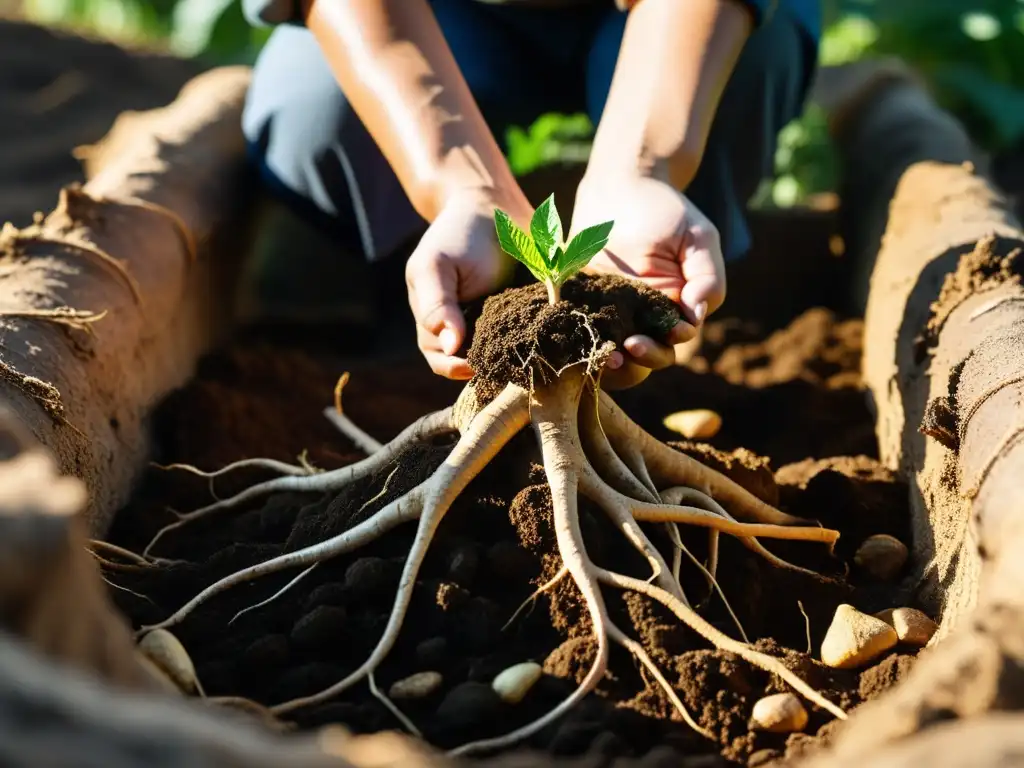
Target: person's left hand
662,239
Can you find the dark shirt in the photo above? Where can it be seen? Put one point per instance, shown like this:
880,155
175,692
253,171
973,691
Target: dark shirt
806,12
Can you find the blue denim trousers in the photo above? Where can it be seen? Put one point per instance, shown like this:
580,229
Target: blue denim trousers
314,154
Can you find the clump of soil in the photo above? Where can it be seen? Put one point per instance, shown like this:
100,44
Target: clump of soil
492,550
521,338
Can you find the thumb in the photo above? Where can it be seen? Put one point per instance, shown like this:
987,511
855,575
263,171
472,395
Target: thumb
433,296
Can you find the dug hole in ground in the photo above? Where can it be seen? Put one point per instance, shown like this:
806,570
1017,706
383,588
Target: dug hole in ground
674,553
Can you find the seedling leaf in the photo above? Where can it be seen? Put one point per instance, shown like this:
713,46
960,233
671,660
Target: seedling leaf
519,245
585,246
546,228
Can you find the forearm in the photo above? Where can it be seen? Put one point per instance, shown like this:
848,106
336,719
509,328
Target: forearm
675,60
398,73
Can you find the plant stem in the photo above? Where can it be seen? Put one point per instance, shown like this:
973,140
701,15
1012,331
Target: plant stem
554,291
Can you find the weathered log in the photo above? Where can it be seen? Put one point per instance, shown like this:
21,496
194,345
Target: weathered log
52,596
944,363
944,322
107,302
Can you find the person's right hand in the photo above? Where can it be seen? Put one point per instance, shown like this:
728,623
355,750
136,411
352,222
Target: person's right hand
457,260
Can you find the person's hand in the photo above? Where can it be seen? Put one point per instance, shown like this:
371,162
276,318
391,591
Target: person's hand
457,260
662,239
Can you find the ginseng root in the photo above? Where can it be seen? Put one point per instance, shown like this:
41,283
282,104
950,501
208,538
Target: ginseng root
590,447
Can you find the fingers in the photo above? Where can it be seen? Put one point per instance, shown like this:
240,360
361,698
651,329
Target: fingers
643,355
432,283
703,269
449,366
645,351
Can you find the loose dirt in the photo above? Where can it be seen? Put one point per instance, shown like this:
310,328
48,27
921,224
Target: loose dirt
791,397
527,340
60,92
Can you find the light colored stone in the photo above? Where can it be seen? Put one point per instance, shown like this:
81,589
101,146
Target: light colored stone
885,615
913,627
700,424
779,713
854,639
516,681
417,686
166,652
157,674
881,556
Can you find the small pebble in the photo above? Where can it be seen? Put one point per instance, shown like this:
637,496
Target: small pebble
468,705
881,556
779,713
432,652
854,638
417,686
700,424
478,624
463,564
912,626
763,757
167,652
515,682
369,577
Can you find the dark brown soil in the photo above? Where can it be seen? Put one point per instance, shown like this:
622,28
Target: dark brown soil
496,546
521,338
788,395
60,92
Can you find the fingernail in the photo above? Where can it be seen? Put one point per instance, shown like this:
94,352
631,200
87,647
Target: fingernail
636,347
449,343
700,311
615,361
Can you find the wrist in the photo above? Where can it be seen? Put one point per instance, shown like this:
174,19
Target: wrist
675,166
484,198
466,174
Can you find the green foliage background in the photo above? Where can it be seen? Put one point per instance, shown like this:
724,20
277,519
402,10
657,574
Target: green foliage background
970,52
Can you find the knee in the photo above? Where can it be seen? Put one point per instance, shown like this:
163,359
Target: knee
293,114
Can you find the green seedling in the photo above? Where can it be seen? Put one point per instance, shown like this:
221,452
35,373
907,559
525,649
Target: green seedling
548,257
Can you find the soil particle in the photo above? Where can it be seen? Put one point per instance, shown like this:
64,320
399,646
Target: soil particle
468,705
370,577
885,674
463,563
981,269
432,652
520,338
319,628
327,594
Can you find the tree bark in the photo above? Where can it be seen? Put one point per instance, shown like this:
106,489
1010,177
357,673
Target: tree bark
107,302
